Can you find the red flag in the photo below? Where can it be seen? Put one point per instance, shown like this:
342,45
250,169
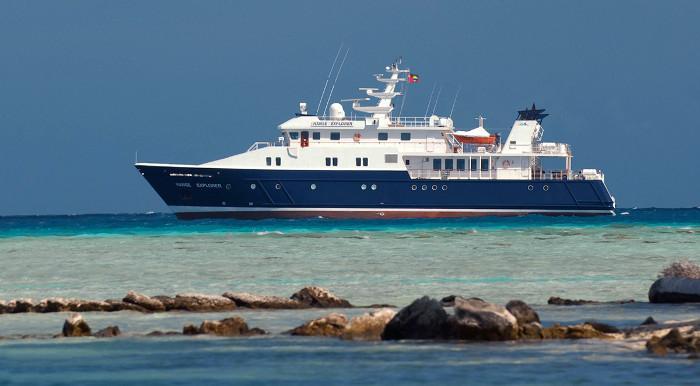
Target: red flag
413,78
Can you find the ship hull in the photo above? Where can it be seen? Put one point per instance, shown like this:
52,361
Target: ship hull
202,192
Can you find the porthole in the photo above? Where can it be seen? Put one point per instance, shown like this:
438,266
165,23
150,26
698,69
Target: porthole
424,187
252,186
363,187
228,186
545,188
313,186
278,186
530,187
223,202
444,187
414,187
434,187
373,187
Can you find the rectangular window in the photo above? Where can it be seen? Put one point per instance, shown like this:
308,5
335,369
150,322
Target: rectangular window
472,164
437,164
316,135
335,161
449,164
278,161
294,135
365,162
391,158
383,136
405,136
358,161
460,164
408,162
485,165
268,161
328,161
335,136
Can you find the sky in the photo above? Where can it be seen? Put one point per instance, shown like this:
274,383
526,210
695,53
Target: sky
85,85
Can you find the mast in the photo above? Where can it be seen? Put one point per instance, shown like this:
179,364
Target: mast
384,107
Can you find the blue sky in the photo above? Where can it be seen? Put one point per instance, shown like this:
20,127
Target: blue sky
86,84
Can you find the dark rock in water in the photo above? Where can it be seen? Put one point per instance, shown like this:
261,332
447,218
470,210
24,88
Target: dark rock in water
319,297
168,301
116,305
369,326
380,305
557,301
603,327
166,333
88,306
675,342
582,331
675,290
244,299
648,321
146,302
332,324
203,303
234,326
52,305
108,332
476,319
522,312
75,325
530,331
423,319
19,306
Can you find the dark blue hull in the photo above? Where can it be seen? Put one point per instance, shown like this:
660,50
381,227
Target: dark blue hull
195,192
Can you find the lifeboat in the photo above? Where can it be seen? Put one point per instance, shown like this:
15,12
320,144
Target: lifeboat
475,136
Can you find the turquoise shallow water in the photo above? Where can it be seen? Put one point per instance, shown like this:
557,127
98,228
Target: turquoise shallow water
530,258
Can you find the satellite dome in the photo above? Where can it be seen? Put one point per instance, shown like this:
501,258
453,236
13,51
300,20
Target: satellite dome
337,111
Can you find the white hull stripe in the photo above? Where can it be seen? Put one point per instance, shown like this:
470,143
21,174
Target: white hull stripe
191,209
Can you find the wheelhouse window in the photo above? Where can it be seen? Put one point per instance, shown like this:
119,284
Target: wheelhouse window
278,161
405,136
383,136
268,161
358,161
328,161
449,164
365,161
316,135
461,164
484,165
335,136
437,164
472,165
335,161
294,135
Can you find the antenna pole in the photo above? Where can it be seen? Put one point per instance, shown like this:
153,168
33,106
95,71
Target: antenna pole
427,108
320,100
404,91
436,100
337,74
455,101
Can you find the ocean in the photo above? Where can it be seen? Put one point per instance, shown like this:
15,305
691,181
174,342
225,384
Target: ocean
498,259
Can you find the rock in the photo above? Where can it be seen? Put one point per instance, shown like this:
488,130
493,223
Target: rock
75,325
3,307
88,306
557,301
146,302
675,290
108,332
530,331
369,326
244,299
648,321
380,305
522,312
234,326
603,327
52,305
168,301
675,342
449,301
423,319
476,319
18,306
203,303
332,324
116,305
581,331
319,297
166,333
